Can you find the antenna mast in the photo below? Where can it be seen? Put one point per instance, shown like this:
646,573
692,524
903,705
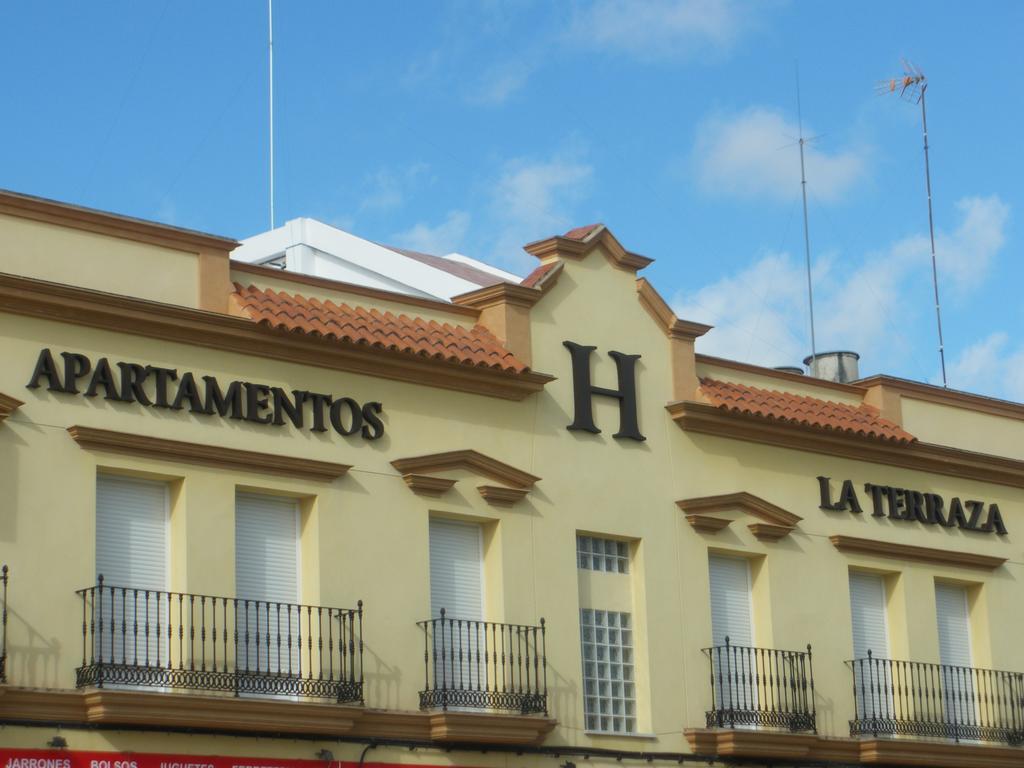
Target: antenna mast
270,50
911,87
807,236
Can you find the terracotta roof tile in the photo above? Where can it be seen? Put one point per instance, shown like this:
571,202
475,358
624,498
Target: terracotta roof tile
581,233
356,325
862,420
536,277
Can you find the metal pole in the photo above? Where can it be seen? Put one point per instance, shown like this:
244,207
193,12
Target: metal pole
931,234
807,236
270,46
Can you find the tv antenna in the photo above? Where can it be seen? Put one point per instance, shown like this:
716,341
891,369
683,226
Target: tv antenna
807,235
270,57
911,87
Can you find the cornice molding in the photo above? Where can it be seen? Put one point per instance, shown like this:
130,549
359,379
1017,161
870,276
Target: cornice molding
662,313
8,405
478,727
158,710
356,290
568,248
205,455
499,293
707,524
111,224
764,745
770,531
499,496
919,554
743,501
425,485
138,317
925,457
916,390
466,459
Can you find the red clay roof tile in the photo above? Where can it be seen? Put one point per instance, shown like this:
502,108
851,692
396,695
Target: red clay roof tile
356,325
862,420
580,233
536,277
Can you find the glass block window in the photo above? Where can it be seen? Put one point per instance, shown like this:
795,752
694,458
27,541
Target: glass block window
609,701
594,554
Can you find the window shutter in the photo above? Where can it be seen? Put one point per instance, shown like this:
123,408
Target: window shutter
867,610
266,548
267,570
954,625
730,601
131,532
456,565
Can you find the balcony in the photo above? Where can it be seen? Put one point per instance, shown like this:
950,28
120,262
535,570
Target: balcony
909,698
761,687
484,665
179,641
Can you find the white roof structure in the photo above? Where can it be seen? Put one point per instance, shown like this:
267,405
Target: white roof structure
310,247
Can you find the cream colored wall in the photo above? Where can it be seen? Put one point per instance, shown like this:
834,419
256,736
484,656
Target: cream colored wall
364,536
972,431
100,262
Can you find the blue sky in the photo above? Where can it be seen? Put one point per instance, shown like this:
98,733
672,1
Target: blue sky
478,127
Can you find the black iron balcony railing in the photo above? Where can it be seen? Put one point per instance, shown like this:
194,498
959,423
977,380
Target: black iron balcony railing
175,640
761,687
3,629
484,665
936,700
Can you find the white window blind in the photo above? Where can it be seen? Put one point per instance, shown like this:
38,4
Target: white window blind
733,670
867,610
955,652
131,532
730,601
267,576
456,569
872,679
132,557
954,625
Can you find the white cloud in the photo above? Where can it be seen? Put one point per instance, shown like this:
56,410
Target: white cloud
990,366
878,304
529,199
499,83
387,187
446,237
756,312
533,199
754,154
652,29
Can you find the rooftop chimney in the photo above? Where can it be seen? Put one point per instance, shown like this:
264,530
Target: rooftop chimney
834,366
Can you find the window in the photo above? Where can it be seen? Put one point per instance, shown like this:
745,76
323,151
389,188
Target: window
608,672
132,557
267,581
594,554
872,675
955,652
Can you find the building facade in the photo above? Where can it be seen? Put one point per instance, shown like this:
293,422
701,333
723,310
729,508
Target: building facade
258,518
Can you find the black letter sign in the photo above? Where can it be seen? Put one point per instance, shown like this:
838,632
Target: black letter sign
583,390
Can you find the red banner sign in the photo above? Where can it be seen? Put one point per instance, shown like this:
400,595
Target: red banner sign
65,758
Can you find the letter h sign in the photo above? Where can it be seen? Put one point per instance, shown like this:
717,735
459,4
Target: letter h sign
583,391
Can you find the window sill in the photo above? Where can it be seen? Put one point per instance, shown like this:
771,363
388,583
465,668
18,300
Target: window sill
618,735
